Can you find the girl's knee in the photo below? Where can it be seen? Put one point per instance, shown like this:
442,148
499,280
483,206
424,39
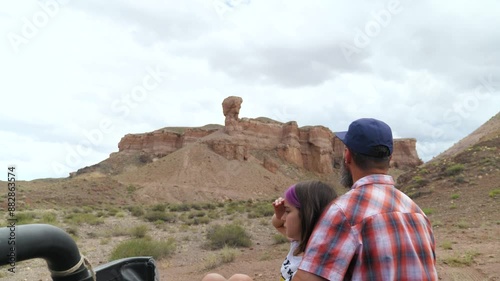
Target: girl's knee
213,277
240,277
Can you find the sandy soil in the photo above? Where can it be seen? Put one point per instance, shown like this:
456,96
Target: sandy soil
466,249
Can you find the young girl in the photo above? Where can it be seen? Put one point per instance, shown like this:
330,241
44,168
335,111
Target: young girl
294,216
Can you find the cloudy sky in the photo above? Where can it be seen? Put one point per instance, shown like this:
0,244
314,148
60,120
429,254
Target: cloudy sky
76,76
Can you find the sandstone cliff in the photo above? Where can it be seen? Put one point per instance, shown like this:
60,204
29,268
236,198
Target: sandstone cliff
405,153
164,141
313,148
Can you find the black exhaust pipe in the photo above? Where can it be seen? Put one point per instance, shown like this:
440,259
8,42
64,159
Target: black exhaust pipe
54,245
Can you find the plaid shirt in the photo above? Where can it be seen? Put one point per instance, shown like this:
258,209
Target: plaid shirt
373,232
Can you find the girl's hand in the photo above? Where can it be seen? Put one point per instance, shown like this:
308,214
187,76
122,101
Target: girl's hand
279,207
279,211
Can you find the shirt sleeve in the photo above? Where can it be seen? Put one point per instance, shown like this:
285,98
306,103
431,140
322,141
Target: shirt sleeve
331,246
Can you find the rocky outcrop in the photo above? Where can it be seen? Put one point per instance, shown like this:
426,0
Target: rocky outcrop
405,153
270,164
308,147
313,148
230,150
164,141
231,109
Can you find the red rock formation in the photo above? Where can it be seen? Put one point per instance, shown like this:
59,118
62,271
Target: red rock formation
405,153
231,109
308,147
230,150
314,148
289,148
164,141
270,164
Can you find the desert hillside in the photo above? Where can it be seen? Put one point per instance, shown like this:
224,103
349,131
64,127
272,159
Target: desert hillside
460,191
488,130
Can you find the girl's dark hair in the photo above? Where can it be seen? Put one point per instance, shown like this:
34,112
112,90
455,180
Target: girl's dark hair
314,197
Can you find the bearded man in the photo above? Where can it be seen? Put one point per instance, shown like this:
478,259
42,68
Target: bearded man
374,231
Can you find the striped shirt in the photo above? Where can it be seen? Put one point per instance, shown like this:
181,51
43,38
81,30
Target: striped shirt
373,232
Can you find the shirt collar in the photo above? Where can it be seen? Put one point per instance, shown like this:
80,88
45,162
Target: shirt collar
374,179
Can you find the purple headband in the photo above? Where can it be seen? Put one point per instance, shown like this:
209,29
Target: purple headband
291,197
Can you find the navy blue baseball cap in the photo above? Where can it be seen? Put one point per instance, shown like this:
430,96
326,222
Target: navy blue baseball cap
366,133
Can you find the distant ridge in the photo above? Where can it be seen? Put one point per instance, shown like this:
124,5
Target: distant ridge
487,131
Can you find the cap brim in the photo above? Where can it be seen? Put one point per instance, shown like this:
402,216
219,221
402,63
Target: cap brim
341,136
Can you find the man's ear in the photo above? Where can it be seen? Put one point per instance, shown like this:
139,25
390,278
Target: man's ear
347,156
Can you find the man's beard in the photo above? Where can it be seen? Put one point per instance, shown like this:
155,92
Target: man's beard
345,176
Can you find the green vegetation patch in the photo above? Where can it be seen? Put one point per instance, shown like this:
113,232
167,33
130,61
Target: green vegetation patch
153,216
143,247
159,207
180,207
447,245
233,235
280,239
79,218
25,217
261,210
460,179
131,189
454,169
196,214
494,193
466,259
196,220
235,207
427,211
462,224
423,171
136,211
420,181
139,231
226,255
112,211
413,194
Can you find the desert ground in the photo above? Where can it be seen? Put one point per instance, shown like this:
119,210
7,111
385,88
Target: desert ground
465,222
